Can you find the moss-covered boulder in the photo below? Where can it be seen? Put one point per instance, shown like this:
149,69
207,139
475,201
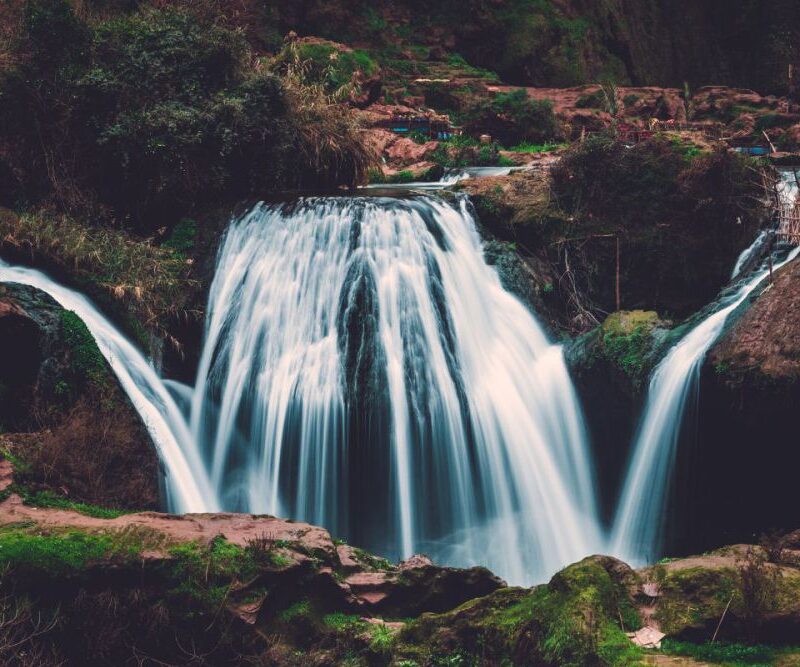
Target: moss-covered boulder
735,589
572,620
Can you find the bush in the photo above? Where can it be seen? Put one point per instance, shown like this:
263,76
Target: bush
512,118
146,116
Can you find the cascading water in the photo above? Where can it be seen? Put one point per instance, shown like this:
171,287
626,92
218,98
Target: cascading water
638,524
187,485
365,370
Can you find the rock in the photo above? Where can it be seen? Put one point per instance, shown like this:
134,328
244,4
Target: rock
695,591
647,637
68,418
743,464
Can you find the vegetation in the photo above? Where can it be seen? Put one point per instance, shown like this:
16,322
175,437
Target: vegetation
336,68
627,341
144,116
726,654
146,282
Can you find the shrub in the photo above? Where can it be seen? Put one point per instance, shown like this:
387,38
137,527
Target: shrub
758,588
514,117
593,100
146,116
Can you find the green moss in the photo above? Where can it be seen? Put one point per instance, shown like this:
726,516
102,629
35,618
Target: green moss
692,596
369,560
87,361
726,654
58,553
295,611
54,501
627,340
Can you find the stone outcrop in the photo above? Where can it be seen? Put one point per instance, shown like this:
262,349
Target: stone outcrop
63,411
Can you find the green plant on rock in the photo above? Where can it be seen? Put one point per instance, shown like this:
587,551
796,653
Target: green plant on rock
627,340
88,363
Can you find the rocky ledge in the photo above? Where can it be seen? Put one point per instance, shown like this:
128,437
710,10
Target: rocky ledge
231,589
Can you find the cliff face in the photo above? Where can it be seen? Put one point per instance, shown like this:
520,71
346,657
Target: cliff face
568,42
747,458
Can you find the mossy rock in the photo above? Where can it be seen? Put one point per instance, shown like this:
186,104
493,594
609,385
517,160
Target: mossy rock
627,339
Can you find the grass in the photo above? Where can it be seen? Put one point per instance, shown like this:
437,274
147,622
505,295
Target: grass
527,147
48,499
67,551
727,654
150,282
382,638
295,611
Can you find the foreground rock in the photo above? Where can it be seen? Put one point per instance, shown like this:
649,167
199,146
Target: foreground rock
225,589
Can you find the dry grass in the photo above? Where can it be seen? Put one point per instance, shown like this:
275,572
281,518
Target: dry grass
152,283
333,140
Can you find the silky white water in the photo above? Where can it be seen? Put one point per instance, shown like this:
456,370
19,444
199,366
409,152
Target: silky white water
639,521
187,485
365,370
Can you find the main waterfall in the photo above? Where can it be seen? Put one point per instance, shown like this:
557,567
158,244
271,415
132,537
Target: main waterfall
365,370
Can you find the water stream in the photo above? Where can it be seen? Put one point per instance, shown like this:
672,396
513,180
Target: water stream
364,369
639,522
187,484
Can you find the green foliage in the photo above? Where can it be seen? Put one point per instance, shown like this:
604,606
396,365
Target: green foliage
770,120
147,115
618,182
382,638
297,610
593,100
512,118
724,653
340,621
333,67
88,363
627,340
528,147
182,238
57,553
51,500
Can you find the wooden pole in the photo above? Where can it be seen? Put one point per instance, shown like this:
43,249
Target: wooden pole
617,290
769,254
721,618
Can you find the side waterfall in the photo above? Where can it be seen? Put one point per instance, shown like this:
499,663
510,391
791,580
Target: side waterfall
187,485
365,370
638,524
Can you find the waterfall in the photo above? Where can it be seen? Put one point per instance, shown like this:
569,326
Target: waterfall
638,524
187,485
364,369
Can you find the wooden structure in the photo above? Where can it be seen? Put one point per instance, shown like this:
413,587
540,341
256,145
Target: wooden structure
788,224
